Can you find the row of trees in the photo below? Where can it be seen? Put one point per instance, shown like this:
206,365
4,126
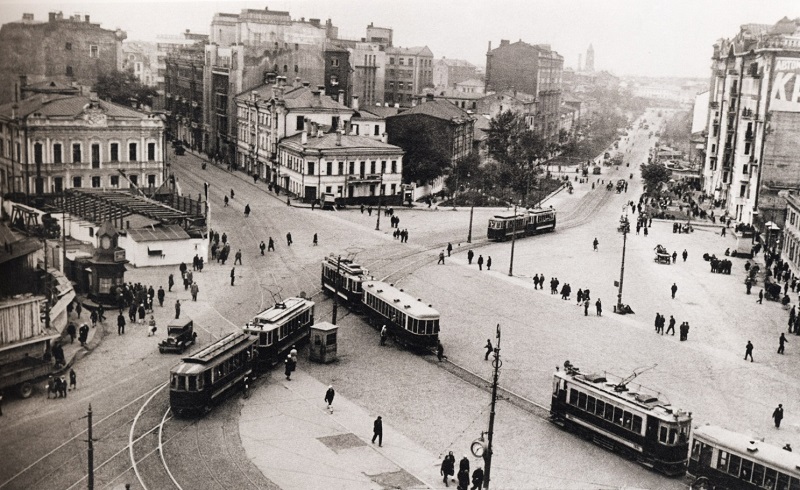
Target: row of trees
122,87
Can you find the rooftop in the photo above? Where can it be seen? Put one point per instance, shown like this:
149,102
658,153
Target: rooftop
455,62
328,142
158,234
66,106
440,109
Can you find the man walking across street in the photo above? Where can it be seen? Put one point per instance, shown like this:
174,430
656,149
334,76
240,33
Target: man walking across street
195,289
470,254
377,431
262,247
271,245
177,309
748,351
586,308
671,327
161,295
238,257
760,297
170,282
480,262
674,289
120,324
489,263
329,397
449,248
777,415
685,254
233,275
289,239
441,258
595,243
384,334
599,307
782,340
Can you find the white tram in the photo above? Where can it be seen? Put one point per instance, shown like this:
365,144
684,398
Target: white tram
407,319
280,327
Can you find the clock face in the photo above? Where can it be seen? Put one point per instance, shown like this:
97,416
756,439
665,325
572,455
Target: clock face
105,242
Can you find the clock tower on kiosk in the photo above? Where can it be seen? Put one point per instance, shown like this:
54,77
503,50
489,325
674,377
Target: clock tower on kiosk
105,270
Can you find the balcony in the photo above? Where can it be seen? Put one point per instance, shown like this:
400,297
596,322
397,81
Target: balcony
713,105
747,114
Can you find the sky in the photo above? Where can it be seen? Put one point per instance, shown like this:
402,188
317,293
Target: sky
630,37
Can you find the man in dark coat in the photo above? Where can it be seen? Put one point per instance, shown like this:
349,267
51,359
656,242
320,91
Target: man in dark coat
748,351
170,282
120,324
470,254
480,262
177,309
377,431
477,479
777,415
161,295
448,467
71,332
329,395
674,289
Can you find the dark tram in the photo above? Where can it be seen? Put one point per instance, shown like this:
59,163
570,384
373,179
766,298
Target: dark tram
522,224
278,328
346,276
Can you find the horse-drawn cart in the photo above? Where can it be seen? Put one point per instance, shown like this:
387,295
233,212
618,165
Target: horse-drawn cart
662,256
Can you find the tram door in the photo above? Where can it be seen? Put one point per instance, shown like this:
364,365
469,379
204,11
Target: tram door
652,429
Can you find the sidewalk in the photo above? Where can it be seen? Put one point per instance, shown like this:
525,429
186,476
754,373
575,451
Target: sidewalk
74,351
289,435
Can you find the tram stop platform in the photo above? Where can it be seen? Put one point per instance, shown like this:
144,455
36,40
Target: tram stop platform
288,433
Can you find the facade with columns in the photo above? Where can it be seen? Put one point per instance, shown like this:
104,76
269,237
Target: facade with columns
50,143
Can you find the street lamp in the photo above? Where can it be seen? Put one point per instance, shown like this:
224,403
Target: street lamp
471,212
513,241
479,448
625,228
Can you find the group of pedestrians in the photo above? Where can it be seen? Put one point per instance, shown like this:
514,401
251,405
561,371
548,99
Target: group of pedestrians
683,329
57,385
447,469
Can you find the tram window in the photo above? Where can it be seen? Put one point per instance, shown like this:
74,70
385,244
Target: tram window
181,383
617,415
747,470
696,450
609,415
734,464
662,435
573,397
207,376
637,424
436,326
200,381
783,482
758,474
673,434
192,383
627,420
794,484
770,476
174,382
722,461
600,409
262,339
582,401
590,404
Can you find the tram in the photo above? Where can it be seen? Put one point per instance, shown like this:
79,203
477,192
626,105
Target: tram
721,458
280,327
345,277
637,424
521,224
410,321
199,381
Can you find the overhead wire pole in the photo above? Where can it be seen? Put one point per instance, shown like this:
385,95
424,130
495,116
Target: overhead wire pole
336,291
513,241
90,474
487,456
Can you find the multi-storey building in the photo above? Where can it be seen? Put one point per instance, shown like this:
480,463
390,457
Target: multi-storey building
139,58
166,45
408,71
448,72
589,59
274,111
49,143
791,234
358,68
356,169
508,100
534,69
752,156
65,50
183,93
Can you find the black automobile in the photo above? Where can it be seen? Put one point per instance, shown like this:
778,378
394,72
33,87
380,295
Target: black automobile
179,149
180,335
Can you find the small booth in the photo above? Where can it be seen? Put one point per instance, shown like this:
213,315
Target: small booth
323,342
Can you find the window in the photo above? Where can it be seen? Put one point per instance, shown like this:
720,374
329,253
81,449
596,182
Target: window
311,168
363,168
114,150
400,62
95,155
394,166
94,52
132,152
600,408
352,168
285,68
573,397
95,182
391,60
411,62
69,71
296,69
57,157
335,123
299,125
372,167
383,167
328,168
341,168
76,153
58,183
334,61
151,152
747,148
151,180
114,181
76,182
582,401
377,130
68,46
38,150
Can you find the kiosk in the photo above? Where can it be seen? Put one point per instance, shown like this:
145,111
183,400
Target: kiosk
323,342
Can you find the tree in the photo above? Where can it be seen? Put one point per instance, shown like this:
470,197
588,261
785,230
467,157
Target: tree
122,87
654,174
503,136
425,157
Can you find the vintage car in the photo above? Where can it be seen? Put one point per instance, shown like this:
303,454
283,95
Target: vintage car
180,335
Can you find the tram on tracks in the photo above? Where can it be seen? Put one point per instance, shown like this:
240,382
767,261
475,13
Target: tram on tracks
721,458
637,424
410,321
521,224
202,379
345,278
280,327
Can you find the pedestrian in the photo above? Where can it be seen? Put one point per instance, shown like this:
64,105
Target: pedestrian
226,202
384,334
489,263
271,245
62,382
595,243
463,479
93,317
489,349
580,296
246,210
233,275
470,254
441,258
760,297
238,257
73,379
447,468
161,295
170,282
71,332
231,193
586,307
782,340
314,241
329,397
289,239
377,431
289,368
362,209
685,254
723,231
777,415
195,289
449,248
255,178
674,256
671,327
674,289
120,323
645,231
142,312
440,351
177,309
477,479
262,247
599,307
78,309
224,238
748,351
480,262
151,329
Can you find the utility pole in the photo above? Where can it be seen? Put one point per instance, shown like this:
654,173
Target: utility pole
336,291
471,212
487,456
90,475
63,236
513,241
46,288
625,228
380,201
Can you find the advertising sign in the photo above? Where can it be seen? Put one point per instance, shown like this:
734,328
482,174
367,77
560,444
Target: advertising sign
785,94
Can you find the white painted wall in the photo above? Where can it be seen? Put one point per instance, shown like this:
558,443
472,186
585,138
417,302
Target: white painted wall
173,251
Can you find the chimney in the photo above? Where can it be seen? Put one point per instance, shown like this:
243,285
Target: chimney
306,83
296,83
386,104
354,102
414,101
304,136
51,17
269,77
86,18
341,96
428,97
14,111
321,88
384,138
504,42
316,94
339,138
281,81
396,105
314,128
30,16
93,97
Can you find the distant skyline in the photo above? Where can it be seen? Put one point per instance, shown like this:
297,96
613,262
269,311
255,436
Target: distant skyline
630,37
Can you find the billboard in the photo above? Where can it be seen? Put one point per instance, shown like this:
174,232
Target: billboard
785,96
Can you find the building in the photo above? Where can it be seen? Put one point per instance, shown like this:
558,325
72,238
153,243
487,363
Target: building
274,111
408,72
49,143
140,59
65,50
449,72
451,128
354,169
165,46
790,245
471,86
752,157
533,69
337,74
464,100
508,100
183,95
243,48
358,68
371,120
589,59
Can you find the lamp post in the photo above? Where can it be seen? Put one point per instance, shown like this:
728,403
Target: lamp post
380,201
624,227
513,241
471,212
478,447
